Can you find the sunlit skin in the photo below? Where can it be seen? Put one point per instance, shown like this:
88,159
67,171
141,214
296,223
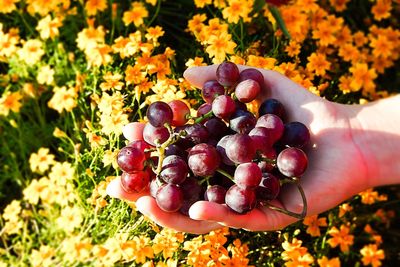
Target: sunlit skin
341,159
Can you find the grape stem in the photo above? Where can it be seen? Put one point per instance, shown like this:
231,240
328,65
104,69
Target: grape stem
299,216
224,173
203,117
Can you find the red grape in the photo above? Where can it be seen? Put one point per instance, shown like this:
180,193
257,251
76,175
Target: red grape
135,182
274,124
227,74
248,175
292,162
180,112
223,106
215,193
153,135
242,121
240,148
133,131
269,187
131,159
252,74
240,200
159,113
272,106
197,133
221,148
169,197
204,109
247,90
174,170
141,145
203,160
212,89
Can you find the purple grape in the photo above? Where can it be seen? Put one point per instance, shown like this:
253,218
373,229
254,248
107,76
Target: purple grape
242,121
227,74
155,184
155,135
247,90
223,106
269,187
159,113
197,133
215,193
216,128
174,149
174,170
292,162
261,138
248,175
295,134
269,154
192,192
272,106
169,198
252,74
131,159
240,148
204,109
221,148
274,124
135,182
240,200
212,89
203,160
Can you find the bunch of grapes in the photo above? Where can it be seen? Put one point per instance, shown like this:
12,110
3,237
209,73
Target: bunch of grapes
225,154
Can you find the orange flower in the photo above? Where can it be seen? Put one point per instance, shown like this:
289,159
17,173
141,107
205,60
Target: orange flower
339,5
10,101
363,77
325,262
344,208
370,196
92,6
293,48
134,75
219,46
197,61
313,223
153,33
381,9
261,62
341,237
8,6
372,255
381,46
196,23
135,15
236,10
202,3
324,33
349,53
112,81
318,63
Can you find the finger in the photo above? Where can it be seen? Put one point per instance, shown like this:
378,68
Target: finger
259,219
174,220
115,190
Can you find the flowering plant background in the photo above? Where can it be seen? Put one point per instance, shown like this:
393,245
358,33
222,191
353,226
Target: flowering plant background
72,73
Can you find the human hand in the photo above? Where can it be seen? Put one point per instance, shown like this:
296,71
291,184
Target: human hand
336,168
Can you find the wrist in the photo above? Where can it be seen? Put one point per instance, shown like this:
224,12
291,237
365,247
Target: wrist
375,130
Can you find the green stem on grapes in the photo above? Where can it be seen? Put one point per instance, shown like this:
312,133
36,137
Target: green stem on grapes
303,213
203,117
221,171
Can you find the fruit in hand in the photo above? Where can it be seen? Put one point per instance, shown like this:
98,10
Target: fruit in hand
226,155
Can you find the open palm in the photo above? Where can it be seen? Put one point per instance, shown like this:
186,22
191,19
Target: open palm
336,168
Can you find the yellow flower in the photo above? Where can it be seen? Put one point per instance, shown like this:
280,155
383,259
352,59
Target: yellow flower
135,15
48,28
293,249
61,173
31,52
167,242
313,223
99,55
202,3
92,6
372,255
261,62
341,237
70,218
10,101
76,249
153,33
219,46
63,99
112,81
8,6
197,61
45,75
8,43
325,262
11,211
137,249
349,53
41,161
90,37
134,75
195,24
381,9
110,157
318,63
34,190
42,257
237,9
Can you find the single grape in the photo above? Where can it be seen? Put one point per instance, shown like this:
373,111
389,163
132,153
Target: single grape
269,187
252,74
292,162
180,112
131,159
212,89
240,105
175,149
223,106
261,138
135,182
197,133
247,90
203,160
204,109
169,197
174,170
133,131
242,121
240,148
221,148
192,192
267,156
155,184
227,74
215,193
240,200
295,134
159,113
274,124
153,135
142,146
216,128
248,175
272,106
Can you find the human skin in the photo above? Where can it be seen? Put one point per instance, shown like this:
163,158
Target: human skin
353,148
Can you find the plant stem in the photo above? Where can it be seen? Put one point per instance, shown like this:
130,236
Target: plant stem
203,117
278,17
221,171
